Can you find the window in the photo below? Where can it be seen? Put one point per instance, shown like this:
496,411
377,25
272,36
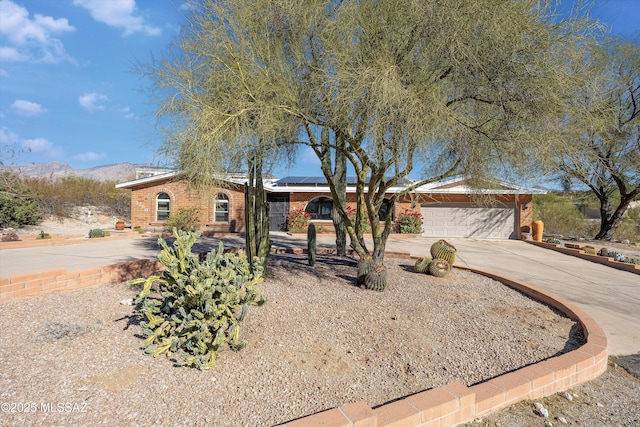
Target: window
163,202
320,208
221,208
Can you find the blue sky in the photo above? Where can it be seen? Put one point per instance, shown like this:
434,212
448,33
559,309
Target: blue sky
68,91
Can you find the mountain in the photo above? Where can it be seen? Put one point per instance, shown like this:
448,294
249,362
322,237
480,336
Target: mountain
120,172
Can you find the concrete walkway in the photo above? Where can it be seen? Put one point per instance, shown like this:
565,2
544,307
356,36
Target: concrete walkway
610,296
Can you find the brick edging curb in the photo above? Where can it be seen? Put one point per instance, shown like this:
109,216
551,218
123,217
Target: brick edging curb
577,251
445,406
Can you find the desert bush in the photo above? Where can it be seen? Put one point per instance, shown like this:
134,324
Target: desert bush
96,232
630,227
184,219
43,236
19,204
560,216
10,237
196,307
60,195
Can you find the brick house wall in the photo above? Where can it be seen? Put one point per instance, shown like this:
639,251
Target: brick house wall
144,196
523,203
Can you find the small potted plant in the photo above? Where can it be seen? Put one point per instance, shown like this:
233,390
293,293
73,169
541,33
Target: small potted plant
119,224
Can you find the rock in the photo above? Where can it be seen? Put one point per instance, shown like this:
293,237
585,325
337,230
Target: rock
567,396
548,424
625,241
542,411
562,420
127,301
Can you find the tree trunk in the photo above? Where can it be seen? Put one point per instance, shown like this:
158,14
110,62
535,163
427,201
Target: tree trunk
609,222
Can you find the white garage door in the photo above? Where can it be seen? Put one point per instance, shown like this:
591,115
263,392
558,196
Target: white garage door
471,221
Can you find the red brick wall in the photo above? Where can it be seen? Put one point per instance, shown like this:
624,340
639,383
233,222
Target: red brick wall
143,204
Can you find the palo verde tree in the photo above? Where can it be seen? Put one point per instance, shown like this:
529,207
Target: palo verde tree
454,87
601,132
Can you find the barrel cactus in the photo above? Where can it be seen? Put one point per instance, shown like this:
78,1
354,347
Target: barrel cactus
422,265
589,250
376,278
443,250
364,266
439,267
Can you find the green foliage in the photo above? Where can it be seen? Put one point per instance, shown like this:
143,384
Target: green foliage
422,265
138,229
19,204
43,236
298,221
409,222
630,227
443,250
560,215
439,267
59,196
197,307
184,219
96,232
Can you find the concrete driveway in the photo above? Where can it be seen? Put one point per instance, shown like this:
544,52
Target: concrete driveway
610,296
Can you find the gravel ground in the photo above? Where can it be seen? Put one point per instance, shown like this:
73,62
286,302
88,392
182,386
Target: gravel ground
319,342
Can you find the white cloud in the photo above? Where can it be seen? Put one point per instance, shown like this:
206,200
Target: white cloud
119,14
27,108
92,101
31,39
126,111
89,157
7,137
43,147
3,73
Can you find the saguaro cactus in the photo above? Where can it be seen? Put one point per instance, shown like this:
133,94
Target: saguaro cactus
311,244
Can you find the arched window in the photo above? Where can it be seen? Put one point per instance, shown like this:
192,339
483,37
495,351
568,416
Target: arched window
320,208
163,203
384,208
221,208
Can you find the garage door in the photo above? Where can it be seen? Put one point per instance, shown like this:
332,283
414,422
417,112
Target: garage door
471,221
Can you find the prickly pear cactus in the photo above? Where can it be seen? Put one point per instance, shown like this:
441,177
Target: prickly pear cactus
439,267
422,265
443,250
364,266
311,244
589,250
376,279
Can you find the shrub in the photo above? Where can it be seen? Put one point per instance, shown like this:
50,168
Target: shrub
43,236
197,307
184,219
10,237
138,229
560,216
19,205
298,221
60,195
409,222
96,232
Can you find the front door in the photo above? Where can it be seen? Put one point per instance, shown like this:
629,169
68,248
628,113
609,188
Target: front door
278,210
